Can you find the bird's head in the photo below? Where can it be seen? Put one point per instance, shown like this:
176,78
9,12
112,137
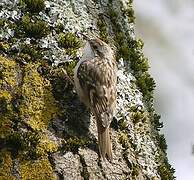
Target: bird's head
100,48
96,47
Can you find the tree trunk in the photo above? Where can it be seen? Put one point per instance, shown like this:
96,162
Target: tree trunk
45,131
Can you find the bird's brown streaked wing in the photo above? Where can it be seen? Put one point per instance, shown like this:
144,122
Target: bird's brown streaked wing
101,109
99,81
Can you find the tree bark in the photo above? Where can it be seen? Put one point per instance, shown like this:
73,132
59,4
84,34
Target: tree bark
45,131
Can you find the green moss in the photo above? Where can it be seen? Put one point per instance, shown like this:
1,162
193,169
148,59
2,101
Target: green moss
6,166
124,140
147,85
112,14
156,121
34,6
74,143
38,107
39,169
70,42
130,49
166,171
162,142
23,144
30,145
34,28
30,52
122,124
69,67
59,28
15,143
58,83
129,12
123,50
137,115
103,29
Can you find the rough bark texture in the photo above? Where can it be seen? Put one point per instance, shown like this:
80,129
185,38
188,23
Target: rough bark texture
45,132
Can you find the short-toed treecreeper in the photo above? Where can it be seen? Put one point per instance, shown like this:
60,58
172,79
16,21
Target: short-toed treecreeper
95,82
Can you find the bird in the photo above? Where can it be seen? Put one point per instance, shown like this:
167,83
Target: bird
95,79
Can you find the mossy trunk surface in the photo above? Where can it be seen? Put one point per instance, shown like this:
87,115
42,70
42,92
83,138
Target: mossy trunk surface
45,131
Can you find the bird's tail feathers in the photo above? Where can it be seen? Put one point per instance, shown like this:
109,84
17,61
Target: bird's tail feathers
104,142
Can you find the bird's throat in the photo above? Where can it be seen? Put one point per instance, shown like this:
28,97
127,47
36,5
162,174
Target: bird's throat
87,52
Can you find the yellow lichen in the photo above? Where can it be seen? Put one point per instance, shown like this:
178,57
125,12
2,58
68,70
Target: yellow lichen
6,166
8,73
6,116
6,97
8,85
4,46
38,107
38,169
46,146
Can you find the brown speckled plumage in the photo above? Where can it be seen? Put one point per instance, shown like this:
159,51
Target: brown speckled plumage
95,81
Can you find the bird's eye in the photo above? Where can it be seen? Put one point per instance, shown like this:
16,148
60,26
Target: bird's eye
95,46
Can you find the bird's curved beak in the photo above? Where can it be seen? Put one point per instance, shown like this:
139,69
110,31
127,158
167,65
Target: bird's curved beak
86,37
